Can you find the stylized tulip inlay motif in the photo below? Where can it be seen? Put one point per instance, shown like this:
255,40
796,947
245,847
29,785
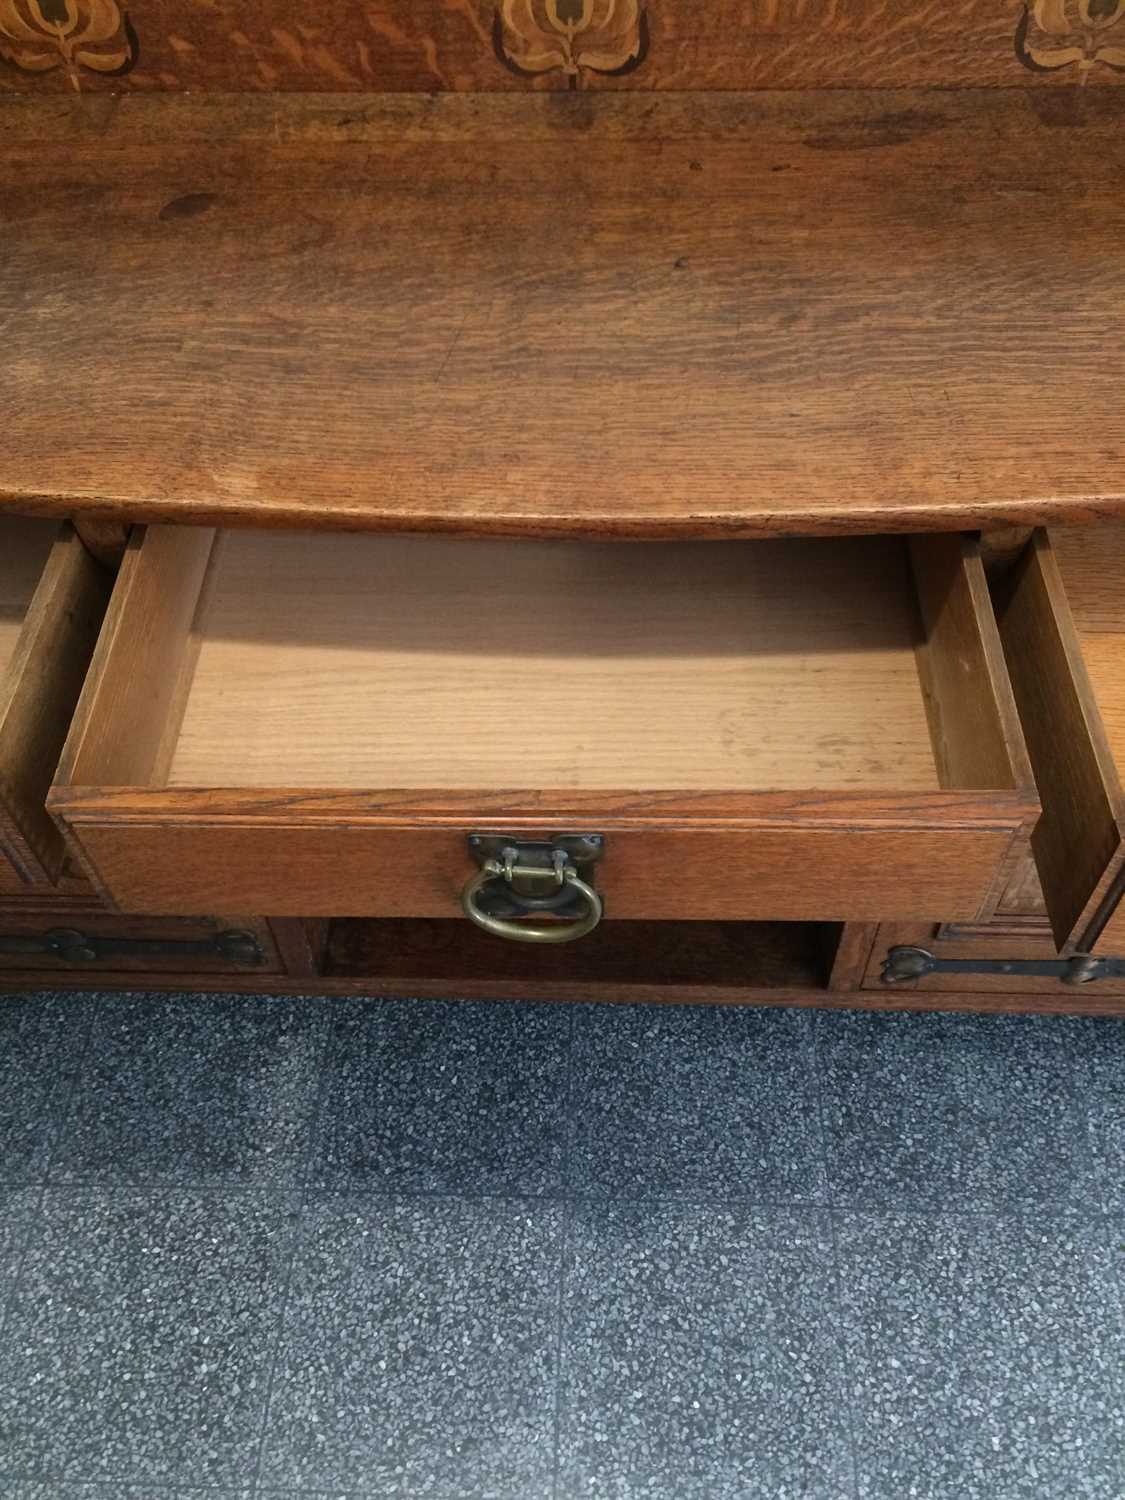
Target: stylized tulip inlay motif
573,37
1080,34
38,36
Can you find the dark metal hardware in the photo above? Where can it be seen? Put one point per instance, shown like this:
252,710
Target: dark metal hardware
75,947
905,962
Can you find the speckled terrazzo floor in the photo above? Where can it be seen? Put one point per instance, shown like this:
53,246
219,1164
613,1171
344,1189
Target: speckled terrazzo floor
349,1249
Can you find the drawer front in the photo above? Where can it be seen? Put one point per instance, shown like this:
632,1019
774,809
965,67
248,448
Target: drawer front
793,873
70,942
55,616
233,670
1064,602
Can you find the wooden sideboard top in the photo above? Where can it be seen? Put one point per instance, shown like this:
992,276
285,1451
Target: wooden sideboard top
626,314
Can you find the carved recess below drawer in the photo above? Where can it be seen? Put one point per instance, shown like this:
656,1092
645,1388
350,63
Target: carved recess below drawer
313,725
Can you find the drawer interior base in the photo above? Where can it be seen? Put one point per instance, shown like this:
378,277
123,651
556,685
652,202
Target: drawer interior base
437,662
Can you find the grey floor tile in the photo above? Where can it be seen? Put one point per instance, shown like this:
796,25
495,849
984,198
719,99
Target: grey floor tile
419,1350
1099,1047
138,1344
335,1494
444,1097
951,1111
700,1358
41,1041
18,1207
203,1089
985,1355
37,1489
678,1101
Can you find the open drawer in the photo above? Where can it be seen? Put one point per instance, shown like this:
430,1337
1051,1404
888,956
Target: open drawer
52,598
1062,621
315,725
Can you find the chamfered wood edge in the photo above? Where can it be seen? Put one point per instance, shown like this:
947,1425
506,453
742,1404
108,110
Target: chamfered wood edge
388,987
533,812
1079,841
794,520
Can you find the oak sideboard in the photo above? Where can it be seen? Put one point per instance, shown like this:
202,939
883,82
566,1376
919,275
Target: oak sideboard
565,542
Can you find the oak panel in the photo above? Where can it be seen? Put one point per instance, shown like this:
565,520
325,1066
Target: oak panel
676,315
1048,630
433,45
787,873
1092,568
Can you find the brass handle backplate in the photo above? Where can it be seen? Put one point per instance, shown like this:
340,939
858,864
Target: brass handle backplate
520,878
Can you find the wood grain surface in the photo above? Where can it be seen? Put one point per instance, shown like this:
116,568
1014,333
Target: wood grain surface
677,315
64,593
183,861
1079,842
333,661
1091,563
430,45
1092,567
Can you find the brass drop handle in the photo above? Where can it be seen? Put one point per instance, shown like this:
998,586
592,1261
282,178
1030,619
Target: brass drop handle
534,887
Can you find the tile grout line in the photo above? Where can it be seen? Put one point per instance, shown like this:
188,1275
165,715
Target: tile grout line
60,1103
143,1486
34,1218
829,1210
564,1245
1098,1187
56,1117
301,1193
89,1005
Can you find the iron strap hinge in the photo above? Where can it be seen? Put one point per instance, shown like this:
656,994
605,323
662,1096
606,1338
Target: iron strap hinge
905,962
75,947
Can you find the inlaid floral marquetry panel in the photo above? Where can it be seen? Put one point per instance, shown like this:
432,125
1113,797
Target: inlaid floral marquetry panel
235,45
576,38
1078,37
67,38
